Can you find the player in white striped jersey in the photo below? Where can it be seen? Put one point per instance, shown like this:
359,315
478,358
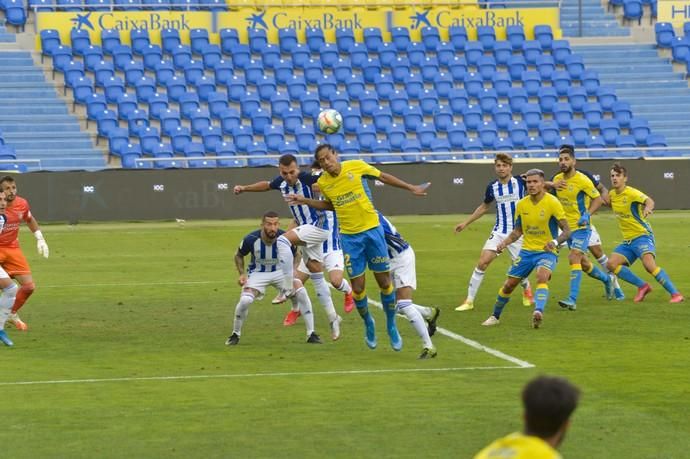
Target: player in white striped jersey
404,275
263,271
9,288
506,190
312,232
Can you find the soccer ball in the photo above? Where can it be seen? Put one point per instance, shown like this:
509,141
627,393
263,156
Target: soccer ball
329,121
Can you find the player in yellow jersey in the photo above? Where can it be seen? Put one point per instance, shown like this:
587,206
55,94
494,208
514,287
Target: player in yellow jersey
632,207
580,199
345,190
537,217
548,403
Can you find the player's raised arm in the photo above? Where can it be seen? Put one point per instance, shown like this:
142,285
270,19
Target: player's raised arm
478,212
296,199
648,207
264,185
417,190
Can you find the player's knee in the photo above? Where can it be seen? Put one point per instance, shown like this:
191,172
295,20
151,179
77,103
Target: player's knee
297,284
246,299
483,265
11,289
612,267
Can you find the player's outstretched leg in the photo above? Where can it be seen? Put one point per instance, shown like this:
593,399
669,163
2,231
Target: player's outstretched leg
662,278
501,301
25,291
305,309
286,260
362,304
406,308
323,293
596,273
388,302
617,290
6,301
527,296
575,281
241,312
430,314
472,289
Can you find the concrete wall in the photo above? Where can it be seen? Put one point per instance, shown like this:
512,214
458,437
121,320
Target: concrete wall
207,194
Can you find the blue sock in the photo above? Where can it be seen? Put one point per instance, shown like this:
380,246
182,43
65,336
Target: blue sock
388,302
362,306
541,296
665,281
623,272
598,274
575,281
501,301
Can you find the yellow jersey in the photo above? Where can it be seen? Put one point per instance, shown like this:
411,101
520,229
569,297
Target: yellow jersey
576,196
539,222
349,193
518,446
627,206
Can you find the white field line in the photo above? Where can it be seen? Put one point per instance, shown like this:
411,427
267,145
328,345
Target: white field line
255,375
474,344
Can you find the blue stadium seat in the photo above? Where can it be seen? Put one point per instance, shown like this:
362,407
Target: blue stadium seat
546,66
531,115
503,144
412,117
15,13
577,97
241,55
531,49
223,71
590,81
229,120
518,133
145,88
229,38
355,86
428,101
443,117
488,99
487,37
157,104
387,54
547,98
193,149
400,37
50,40
458,37
441,146
384,85
639,129
162,151
398,102
366,136
445,52
544,35
471,146
152,55
458,99
595,141
181,56
139,39
339,101
606,96
561,82
200,121
370,69
257,39
217,103
430,38
383,146
296,86
531,81
212,56
164,72
72,72
122,55
549,132
310,104
326,84
627,141
579,130
110,38
534,143
396,136
344,39
352,119
488,133
486,66
400,69
79,40
136,121
149,139
169,121
249,101
473,52
632,10
516,67
113,88
106,121
83,94
664,34
313,72
43,5
342,70
328,55
273,136
373,39
300,55
472,116
176,86
242,137
170,39
189,103
283,71
609,129
426,134
315,39
288,147
368,103
502,52
292,119
622,113
457,135
382,118
516,36
129,154
502,116
133,71
253,71
561,50
443,84
266,87
350,147
103,71
474,84
411,146
575,66
304,136
593,114
336,140
458,68
287,39
562,114
118,138
517,98
416,54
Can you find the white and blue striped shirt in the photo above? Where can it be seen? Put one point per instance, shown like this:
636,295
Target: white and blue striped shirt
333,242
303,214
264,256
506,197
394,240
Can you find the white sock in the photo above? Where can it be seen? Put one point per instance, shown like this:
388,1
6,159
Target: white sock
405,307
241,311
603,260
475,282
425,311
6,302
286,260
524,283
305,309
323,293
344,287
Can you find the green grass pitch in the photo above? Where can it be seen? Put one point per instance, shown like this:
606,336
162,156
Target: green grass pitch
123,302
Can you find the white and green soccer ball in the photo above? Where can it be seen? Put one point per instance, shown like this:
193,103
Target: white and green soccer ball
329,121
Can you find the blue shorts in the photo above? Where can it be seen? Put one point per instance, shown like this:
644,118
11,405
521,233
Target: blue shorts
579,239
634,249
365,248
528,260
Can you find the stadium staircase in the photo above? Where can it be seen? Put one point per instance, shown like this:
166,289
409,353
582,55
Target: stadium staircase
5,36
647,82
597,22
36,122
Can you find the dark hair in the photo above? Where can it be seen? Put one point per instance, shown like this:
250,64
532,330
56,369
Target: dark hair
315,165
548,401
269,214
567,149
287,159
321,147
504,158
619,169
538,172
7,178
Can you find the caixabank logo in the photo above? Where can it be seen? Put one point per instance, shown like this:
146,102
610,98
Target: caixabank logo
119,21
306,19
470,18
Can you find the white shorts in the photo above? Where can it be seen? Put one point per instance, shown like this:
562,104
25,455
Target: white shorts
313,238
259,281
3,274
332,261
594,238
403,270
496,238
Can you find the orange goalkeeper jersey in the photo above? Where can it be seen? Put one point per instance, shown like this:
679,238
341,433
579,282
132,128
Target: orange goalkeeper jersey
17,212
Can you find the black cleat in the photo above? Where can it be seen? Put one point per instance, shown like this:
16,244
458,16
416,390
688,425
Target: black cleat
314,339
432,322
232,340
428,353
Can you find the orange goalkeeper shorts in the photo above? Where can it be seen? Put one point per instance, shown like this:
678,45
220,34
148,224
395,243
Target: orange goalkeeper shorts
14,262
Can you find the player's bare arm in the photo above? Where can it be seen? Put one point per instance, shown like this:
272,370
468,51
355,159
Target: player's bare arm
512,237
604,192
594,205
264,185
41,244
315,203
648,207
239,264
417,190
478,212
